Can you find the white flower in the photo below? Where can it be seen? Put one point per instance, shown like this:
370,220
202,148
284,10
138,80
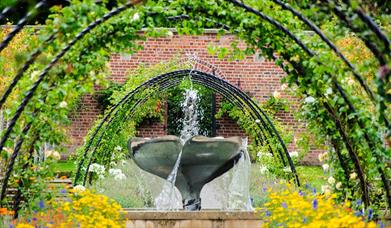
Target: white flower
120,176
287,170
328,91
353,176
34,74
55,155
48,153
276,94
294,154
284,86
98,169
170,33
325,167
262,154
79,188
9,151
118,148
135,17
115,172
325,188
257,121
63,104
323,156
263,169
309,100
331,180
338,186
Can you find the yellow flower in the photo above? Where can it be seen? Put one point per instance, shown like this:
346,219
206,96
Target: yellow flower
24,225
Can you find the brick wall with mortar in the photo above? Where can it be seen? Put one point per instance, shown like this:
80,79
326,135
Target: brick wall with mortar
254,75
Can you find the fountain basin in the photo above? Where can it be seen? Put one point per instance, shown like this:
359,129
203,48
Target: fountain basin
202,160
191,219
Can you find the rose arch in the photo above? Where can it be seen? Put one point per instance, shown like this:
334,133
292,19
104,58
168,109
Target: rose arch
314,65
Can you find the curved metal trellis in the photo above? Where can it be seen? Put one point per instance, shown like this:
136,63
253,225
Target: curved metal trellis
218,85
265,122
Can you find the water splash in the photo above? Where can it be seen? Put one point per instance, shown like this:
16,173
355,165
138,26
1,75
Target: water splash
168,199
238,191
190,110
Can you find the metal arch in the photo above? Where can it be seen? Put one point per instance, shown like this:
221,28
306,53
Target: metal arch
162,86
31,92
219,86
5,11
331,45
297,41
21,23
94,24
339,88
22,70
123,100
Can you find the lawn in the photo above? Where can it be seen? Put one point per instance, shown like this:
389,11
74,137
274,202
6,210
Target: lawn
64,168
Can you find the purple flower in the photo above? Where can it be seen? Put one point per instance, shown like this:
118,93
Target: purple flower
268,213
381,224
301,193
63,191
284,205
34,219
358,213
305,220
307,186
314,204
264,189
314,191
370,214
41,204
358,202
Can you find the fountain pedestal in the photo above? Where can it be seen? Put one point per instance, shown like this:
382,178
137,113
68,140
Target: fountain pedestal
192,219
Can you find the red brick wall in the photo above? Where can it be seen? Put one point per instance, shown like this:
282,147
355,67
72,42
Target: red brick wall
254,75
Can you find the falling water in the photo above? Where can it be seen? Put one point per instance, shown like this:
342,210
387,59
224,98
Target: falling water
231,190
190,111
168,199
238,190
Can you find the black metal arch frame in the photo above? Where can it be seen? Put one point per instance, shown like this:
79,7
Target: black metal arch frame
168,80
344,17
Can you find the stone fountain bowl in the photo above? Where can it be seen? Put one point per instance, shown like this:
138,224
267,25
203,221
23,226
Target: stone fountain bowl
203,159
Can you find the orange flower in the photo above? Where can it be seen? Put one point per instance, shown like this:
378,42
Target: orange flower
3,211
63,177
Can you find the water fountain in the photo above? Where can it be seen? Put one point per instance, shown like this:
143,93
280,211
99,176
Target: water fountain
201,160
189,162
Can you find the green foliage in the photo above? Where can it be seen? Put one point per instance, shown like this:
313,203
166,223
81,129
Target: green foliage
260,140
103,95
346,117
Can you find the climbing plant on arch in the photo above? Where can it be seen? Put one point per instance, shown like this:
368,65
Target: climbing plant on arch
355,123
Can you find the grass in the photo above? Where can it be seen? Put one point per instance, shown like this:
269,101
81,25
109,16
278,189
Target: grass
313,175
64,168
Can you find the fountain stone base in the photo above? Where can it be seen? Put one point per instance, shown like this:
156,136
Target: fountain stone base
191,219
